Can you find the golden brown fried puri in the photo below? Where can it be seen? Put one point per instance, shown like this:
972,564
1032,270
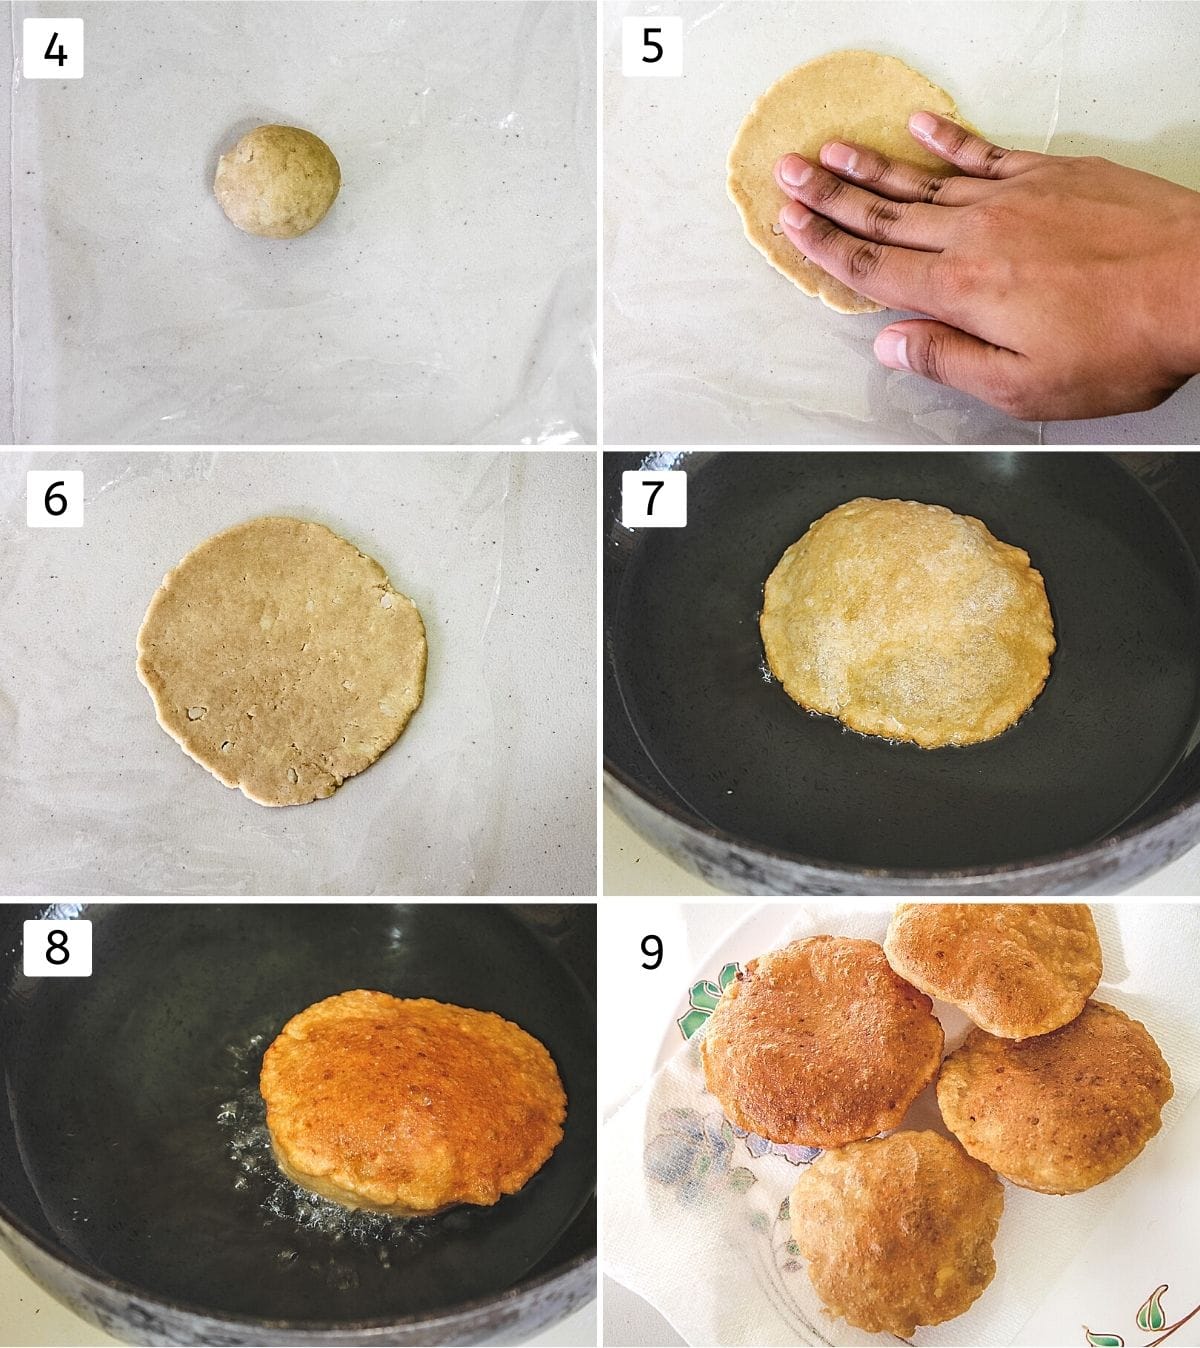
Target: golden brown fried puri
409,1106
1061,1112
820,1043
897,1231
1017,969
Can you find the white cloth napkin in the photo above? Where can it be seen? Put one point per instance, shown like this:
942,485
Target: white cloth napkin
695,1215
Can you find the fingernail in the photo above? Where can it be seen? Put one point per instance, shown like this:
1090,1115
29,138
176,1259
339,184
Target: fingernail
795,215
923,124
841,158
794,171
891,348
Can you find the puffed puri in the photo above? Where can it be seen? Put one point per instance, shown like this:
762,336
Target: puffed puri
897,1232
820,1043
408,1106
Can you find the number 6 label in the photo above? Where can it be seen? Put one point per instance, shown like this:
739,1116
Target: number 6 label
54,498
654,500
652,45
60,949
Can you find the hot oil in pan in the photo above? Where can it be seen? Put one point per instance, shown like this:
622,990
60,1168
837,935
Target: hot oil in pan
1114,720
290,1210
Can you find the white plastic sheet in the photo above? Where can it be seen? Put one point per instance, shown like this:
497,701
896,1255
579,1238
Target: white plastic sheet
448,297
706,344
489,790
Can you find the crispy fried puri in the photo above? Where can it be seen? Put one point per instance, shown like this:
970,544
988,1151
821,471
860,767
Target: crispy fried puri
897,1231
1061,1112
409,1106
820,1043
1017,969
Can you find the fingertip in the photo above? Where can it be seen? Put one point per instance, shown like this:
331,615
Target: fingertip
838,157
891,349
792,171
923,125
794,216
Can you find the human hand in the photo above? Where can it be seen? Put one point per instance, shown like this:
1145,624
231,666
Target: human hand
1056,287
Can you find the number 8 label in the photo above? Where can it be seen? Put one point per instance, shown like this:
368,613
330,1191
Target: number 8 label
58,948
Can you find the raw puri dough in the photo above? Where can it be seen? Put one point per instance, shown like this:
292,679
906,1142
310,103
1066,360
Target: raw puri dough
277,181
907,621
281,659
858,97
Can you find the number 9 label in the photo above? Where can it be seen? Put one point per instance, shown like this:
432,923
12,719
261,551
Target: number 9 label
654,500
58,949
652,45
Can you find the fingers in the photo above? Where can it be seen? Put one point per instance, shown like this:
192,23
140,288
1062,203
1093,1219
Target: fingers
896,180
905,224
948,356
901,278
967,151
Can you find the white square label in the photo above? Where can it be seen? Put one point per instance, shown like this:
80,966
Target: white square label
652,45
654,500
52,49
54,498
58,949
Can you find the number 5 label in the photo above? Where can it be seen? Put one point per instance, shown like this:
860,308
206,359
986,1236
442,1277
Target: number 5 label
652,45
54,498
654,500
58,949
52,49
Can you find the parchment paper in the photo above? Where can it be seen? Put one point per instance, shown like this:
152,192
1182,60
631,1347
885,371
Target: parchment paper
706,344
489,790
448,297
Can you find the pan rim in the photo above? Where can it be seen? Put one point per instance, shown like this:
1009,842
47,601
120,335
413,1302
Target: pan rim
17,1229
448,1315
1033,866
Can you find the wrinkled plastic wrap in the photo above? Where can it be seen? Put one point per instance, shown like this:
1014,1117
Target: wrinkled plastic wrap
706,344
489,789
448,297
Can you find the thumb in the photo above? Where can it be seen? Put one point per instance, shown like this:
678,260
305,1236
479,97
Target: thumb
949,356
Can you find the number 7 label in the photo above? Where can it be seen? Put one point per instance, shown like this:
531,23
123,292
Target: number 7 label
654,500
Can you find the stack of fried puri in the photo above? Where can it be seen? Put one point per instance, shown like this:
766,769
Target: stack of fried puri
827,1043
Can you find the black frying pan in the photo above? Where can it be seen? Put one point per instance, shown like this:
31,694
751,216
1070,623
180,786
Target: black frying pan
696,732
132,1149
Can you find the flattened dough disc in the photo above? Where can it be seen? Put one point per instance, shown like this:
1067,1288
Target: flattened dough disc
856,96
281,659
907,621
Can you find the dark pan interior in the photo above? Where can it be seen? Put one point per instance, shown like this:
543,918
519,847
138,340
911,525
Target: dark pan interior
133,1133
693,719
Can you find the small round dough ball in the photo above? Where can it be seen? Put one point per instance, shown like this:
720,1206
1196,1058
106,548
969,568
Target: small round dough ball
277,181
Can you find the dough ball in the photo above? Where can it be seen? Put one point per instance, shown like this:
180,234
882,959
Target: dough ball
277,181
281,659
909,622
820,1043
859,97
897,1232
407,1105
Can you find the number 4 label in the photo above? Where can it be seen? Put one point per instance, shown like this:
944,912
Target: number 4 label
60,949
52,49
652,45
54,498
654,500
